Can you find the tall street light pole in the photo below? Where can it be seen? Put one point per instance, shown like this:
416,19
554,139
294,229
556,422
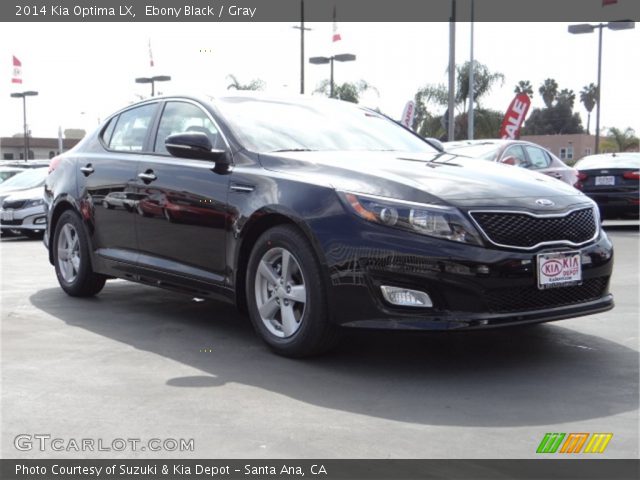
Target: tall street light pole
470,119
452,74
302,30
343,57
153,80
23,96
589,28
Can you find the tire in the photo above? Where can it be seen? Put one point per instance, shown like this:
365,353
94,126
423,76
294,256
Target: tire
75,275
301,300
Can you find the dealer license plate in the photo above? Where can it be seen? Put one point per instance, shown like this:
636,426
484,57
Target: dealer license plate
608,180
560,269
6,215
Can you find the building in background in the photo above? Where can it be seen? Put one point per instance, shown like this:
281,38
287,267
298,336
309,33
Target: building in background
12,148
568,148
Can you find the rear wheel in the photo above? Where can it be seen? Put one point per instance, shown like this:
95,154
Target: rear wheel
286,295
72,260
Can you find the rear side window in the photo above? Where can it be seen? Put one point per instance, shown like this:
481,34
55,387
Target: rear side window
131,128
180,117
538,157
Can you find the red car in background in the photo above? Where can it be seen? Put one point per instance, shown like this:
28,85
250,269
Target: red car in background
516,152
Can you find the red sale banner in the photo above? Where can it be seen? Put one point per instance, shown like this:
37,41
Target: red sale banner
515,116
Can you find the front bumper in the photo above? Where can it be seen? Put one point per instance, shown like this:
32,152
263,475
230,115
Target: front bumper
470,286
31,218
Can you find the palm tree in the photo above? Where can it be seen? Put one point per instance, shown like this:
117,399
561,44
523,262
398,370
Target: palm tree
349,92
549,91
524,86
484,80
255,84
566,96
624,140
589,98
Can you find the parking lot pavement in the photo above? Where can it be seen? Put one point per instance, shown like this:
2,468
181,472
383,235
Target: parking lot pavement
141,363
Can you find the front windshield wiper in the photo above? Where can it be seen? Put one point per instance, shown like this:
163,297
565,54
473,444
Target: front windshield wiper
434,162
292,150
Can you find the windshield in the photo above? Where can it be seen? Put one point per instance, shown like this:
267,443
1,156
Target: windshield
28,179
485,151
273,125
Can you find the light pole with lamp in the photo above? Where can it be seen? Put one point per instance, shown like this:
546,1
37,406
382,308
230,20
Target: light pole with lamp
589,28
153,80
23,96
343,57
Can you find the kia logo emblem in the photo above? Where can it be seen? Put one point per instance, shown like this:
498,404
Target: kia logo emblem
543,202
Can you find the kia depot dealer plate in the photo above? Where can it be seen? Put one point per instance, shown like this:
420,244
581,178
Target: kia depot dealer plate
559,269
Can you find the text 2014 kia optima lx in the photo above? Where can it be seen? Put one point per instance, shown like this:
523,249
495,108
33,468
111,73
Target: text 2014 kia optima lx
316,214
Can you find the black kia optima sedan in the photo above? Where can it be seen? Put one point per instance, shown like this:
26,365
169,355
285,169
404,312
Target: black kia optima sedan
314,214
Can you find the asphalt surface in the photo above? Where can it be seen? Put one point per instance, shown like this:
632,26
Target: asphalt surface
141,363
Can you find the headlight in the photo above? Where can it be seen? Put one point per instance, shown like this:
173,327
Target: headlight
433,220
34,203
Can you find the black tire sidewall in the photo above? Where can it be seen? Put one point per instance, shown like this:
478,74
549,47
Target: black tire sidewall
76,287
305,340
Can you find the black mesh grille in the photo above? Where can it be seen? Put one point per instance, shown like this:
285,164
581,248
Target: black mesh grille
524,231
505,300
13,204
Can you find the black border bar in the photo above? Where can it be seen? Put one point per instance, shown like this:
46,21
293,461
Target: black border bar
316,10
256,469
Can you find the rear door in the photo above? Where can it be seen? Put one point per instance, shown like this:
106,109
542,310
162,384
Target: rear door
107,178
181,213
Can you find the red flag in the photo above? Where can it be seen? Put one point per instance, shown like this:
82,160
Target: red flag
150,55
17,71
515,116
336,35
608,2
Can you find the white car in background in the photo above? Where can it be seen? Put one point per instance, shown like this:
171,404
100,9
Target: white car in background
21,203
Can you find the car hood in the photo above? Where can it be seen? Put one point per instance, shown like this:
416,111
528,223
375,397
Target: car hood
29,194
439,178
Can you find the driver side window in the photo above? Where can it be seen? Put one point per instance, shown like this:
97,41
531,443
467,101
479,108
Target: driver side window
180,117
516,152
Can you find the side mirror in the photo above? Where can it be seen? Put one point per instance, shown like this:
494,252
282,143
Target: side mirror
194,145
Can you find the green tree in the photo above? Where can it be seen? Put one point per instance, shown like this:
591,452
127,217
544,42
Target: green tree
348,91
589,98
566,96
548,90
557,119
624,140
483,82
255,84
524,86
424,123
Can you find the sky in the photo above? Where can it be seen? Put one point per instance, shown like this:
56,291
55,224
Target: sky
85,72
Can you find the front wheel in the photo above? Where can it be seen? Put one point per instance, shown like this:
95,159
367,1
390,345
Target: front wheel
71,258
287,296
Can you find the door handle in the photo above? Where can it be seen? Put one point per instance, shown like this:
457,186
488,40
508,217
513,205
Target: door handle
87,169
148,176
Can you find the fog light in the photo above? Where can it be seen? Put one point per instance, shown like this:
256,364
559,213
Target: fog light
40,220
405,297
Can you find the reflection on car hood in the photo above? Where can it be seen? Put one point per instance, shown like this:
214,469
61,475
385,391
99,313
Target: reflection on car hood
30,194
428,178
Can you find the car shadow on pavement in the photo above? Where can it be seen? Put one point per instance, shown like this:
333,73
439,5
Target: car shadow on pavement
536,375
